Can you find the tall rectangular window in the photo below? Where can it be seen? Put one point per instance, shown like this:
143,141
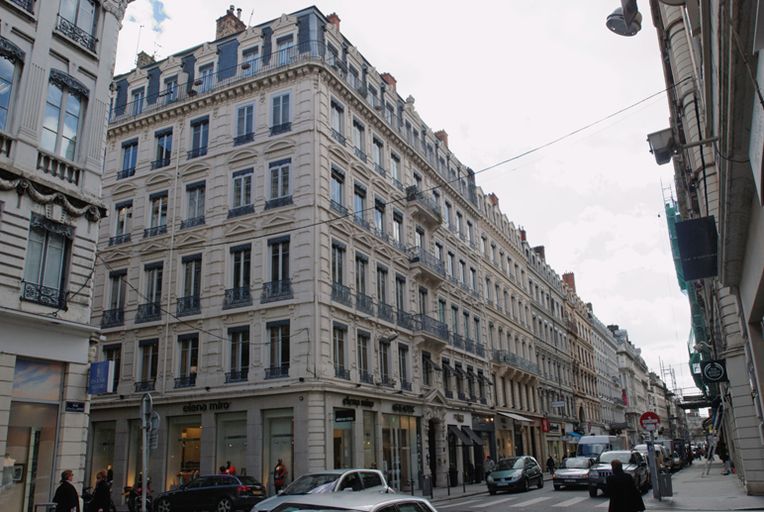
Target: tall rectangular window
384,361
163,140
171,89
382,285
195,193
361,269
285,49
123,213
338,121
158,214
279,180
46,262
280,285
117,289
280,116
113,353
359,139
238,339
241,189
451,264
154,282
207,77
7,75
137,99
200,132
398,227
129,158
359,202
278,335
149,355
338,263
364,356
427,369
337,190
250,61
400,293
339,341
403,366
241,259
192,275
442,310
188,348
377,149
245,124
78,21
61,121
454,319
395,167
379,216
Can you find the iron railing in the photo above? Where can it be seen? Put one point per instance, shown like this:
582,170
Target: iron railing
27,5
366,377
385,312
243,139
428,260
341,294
125,173
237,297
145,385
241,210
189,305
278,202
196,152
155,231
186,381
158,164
341,372
281,128
337,207
112,318
364,303
277,372
148,312
405,320
240,375
76,34
277,290
432,326
119,239
192,222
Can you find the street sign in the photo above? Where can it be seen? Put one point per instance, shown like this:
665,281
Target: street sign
714,371
649,421
558,404
101,377
154,430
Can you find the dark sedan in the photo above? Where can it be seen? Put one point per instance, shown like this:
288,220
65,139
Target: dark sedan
515,473
218,493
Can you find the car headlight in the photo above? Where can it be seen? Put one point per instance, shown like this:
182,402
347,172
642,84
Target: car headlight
489,479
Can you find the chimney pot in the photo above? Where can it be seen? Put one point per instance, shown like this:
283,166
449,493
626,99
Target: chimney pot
494,199
238,13
389,80
334,20
442,136
539,249
522,234
229,24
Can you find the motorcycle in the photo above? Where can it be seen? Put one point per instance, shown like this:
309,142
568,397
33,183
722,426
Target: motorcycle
133,497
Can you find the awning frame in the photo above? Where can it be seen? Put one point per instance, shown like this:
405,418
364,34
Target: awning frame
515,417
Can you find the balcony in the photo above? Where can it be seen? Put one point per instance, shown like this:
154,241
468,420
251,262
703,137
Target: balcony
112,318
461,396
125,173
341,294
385,312
360,155
405,320
469,345
119,239
338,137
337,207
364,303
243,139
423,207
366,377
278,202
240,375
187,381
431,330
196,152
44,295
237,297
27,5
192,222
448,394
155,231
361,221
143,386
457,340
428,267
276,290
341,372
148,312
58,168
189,305
277,372
76,34
387,381
281,128
397,184
480,349
241,210
158,164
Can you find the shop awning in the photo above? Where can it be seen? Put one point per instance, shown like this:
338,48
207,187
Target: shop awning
516,417
471,433
460,435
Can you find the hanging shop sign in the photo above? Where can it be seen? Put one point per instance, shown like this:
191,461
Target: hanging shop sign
714,371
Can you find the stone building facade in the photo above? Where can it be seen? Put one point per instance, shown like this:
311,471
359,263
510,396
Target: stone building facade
56,66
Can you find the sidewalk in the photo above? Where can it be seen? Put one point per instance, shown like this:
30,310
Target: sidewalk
442,494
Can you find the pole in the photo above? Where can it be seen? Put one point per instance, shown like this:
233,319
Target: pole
653,466
147,407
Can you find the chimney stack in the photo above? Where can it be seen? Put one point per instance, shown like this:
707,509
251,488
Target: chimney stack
238,13
570,279
522,234
539,250
442,136
229,24
144,59
494,199
334,20
389,80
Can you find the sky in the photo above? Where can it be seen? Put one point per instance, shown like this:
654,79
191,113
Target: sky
503,77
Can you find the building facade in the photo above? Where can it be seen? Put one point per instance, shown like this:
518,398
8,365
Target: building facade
56,65
609,388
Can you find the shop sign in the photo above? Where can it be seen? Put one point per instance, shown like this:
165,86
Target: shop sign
554,428
210,406
544,425
101,377
404,408
344,415
358,402
75,406
714,371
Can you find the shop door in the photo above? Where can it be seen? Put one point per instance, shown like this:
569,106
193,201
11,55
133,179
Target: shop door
519,447
397,433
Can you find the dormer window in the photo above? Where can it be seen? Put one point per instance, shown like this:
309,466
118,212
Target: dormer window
284,50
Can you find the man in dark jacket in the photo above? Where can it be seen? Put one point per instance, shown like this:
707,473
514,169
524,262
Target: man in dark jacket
623,492
102,495
66,497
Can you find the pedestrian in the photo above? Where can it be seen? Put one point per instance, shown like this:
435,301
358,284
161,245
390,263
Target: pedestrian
623,492
109,474
66,497
223,470
279,476
230,468
550,465
490,465
102,494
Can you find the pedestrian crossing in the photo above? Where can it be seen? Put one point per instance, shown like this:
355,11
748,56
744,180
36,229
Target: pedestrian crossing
521,501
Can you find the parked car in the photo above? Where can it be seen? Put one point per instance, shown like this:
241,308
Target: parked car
221,493
573,472
633,464
660,459
515,473
329,481
356,502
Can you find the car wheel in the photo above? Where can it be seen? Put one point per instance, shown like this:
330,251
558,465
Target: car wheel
163,505
593,492
541,482
224,505
526,485
492,491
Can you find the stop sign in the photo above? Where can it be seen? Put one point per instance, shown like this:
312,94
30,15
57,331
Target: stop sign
649,421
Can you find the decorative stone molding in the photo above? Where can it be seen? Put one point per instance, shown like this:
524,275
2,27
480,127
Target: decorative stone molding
10,51
38,221
68,81
116,7
25,186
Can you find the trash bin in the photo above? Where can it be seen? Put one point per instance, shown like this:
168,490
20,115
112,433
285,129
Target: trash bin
426,485
664,484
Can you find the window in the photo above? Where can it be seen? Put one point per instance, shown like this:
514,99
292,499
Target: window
447,218
466,324
118,289
359,139
206,77
338,122
278,335
398,227
459,224
389,113
280,285
129,158
403,366
337,190
462,272
423,301
359,202
450,265
7,73
339,338
46,262
280,193
395,164
171,89
419,238
149,354
189,303
377,149
200,132
427,369
361,269
77,19
473,279
442,311
245,124
446,378
242,193
238,339
284,47
158,214
332,55
338,263
188,348
239,293
382,285
400,293
371,96
353,77
154,282
113,353
163,148
194,205
379,216
384,362
123,212
280,120
364,357
138,96
61,123
250,61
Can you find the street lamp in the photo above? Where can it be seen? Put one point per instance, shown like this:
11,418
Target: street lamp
625,20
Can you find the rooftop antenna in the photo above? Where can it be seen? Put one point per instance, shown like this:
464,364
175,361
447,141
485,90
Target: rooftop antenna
249,23
138,44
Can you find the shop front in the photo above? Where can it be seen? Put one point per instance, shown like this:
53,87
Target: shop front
402,446
555,446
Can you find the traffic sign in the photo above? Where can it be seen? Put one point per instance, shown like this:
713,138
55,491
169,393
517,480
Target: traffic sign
649,421
714,371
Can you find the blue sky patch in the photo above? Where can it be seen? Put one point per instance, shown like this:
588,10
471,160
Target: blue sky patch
158,14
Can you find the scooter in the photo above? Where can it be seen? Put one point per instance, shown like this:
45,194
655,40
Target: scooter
133,497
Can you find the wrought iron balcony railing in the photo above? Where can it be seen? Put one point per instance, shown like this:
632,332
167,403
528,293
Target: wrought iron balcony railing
366,377
119,239
112,318
337,207
196,152
240,375
192,222
341,372
387,381
406,385
432,326
341,294
144,385
27,5
277,290
457,340
237,297
241,210
148,312
277,372
278,202
76,34
189,305
125,173
428,260
364,303
338,137
405,320
186,381
158,164
360,154
155,231
385,312
243,139
281,128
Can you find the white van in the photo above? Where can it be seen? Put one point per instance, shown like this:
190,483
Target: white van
592,446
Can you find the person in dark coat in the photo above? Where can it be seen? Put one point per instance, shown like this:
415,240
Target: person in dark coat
102,494
66,497
623,492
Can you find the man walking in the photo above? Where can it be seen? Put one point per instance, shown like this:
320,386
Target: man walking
623,492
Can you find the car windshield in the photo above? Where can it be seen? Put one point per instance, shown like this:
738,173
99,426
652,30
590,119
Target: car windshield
247,480
611,456
308,484
591,450
511,463
577,462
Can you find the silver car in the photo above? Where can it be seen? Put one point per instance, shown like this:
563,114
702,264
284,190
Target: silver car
356,502
329,481
573,472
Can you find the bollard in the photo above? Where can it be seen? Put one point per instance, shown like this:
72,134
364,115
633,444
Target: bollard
412,487
464,482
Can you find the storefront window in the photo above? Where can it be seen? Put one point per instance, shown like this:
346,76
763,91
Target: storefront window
134,452
102,447
399,451
232,440
278,431
184,437
343,444
369,439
